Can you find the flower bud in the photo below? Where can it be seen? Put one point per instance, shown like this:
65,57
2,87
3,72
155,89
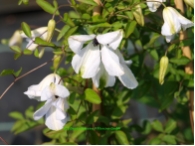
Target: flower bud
56,61
16,39
164,61
50,29
190,3
137,13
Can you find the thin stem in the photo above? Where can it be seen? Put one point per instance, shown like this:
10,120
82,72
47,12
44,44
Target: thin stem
4,141
20,77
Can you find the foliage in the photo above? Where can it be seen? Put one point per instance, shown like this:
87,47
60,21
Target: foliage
171,98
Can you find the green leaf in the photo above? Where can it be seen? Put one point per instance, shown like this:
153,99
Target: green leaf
17,55
86,16
26,29
16,49
157,126
17,73
154,54
170,126
73,14
42,42
47,7
71,31
16,115
68,20
27,52
130,28
92,96
155,141
169,139
121,138
180,61
90,2
63,32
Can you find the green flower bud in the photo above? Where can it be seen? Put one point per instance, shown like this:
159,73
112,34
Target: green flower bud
190,3
50,29
137,13
164,61
56,61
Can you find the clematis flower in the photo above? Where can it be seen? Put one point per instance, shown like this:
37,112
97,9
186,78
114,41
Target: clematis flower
39,32
34,91
55,106
173,22
153,6
16,39
98,58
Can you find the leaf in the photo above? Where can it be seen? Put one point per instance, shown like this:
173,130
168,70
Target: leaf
170,126
169,139
121,138
71,31
27,52
155,141
47,7
26,29
17,73
42,42
86,16
154,54
16,115
63,32
17,55
68,20
130,28
180,61
157,126
90,2
92,96
16,49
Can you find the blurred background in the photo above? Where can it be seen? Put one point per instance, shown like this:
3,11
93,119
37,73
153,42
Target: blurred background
11,17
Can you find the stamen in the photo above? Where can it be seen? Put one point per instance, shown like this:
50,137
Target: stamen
95,42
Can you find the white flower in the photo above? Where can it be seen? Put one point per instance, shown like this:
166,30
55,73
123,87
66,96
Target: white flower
153,6
99,58
55,106
34,91
39,32
173,22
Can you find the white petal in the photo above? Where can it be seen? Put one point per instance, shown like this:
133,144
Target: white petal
33,92
169,38
76,42
61,91
60,113
87,61
111,38
38,32
43,110
52,122
110,81
128,79
47,93
185,23
111,62
31,46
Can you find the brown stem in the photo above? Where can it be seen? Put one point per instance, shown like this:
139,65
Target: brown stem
4,141
18,78
189,67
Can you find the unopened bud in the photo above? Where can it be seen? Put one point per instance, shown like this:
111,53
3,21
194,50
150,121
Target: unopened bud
56,61
16,39
190,3
164,61
50,29
137,13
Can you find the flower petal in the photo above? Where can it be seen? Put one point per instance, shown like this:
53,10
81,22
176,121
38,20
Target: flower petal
185,23
76,42
111,38
31,46
61,91
128,79
167,32
43,110
52,122
33,92
77,62
47,93
60,113
111,62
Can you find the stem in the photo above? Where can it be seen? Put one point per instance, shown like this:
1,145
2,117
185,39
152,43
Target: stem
4,141
20,77
189,67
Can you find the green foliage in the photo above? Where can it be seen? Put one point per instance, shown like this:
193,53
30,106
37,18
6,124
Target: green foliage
142,43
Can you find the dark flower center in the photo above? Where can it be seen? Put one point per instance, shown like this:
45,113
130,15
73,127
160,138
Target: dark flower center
95,42
56,96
